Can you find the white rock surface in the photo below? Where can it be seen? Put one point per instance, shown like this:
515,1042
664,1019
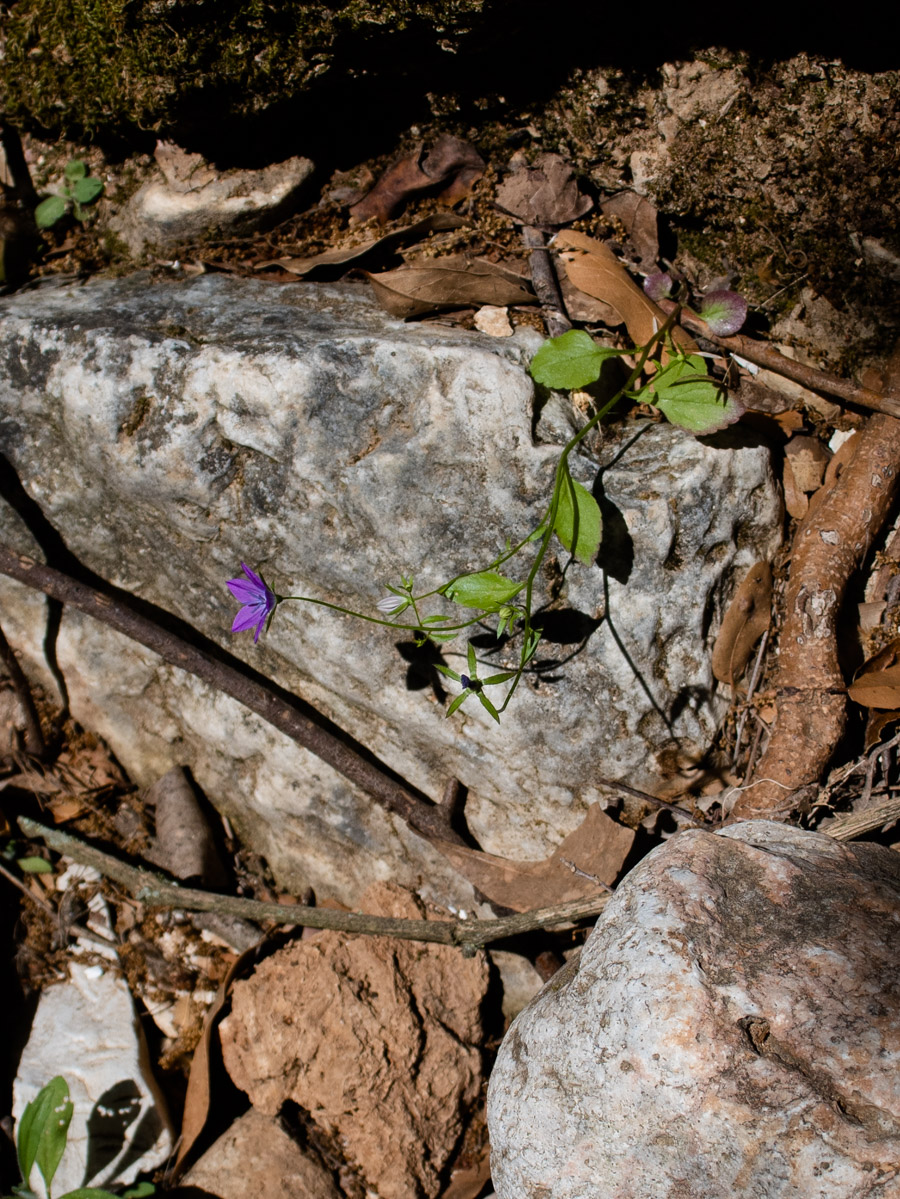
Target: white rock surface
194,200
171,431
87,1031
732,1029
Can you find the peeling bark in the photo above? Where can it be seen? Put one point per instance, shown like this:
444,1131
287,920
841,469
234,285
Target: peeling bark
829,546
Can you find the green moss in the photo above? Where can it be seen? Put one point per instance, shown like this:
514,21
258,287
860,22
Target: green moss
115,66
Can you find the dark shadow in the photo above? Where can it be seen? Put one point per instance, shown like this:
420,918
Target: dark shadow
420,667
107,1126
565,626
61,558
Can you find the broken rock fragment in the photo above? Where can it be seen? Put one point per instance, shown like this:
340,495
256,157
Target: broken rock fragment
732,1028
377,1039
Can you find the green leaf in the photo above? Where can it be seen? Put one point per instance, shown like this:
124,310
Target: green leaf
43,1129
488,706
76,169
569,361
87,190
97,1193
439,637
471,659
139,1191
34,865
435,619
464,695
499,678
579,534
49,211
687,398
486,590
451,674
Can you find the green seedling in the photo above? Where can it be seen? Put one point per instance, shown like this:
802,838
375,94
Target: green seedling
41,1141
79,191
677,384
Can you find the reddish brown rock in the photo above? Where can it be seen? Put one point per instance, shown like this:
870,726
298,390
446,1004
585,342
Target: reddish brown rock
378,1039
256,1158
732,1029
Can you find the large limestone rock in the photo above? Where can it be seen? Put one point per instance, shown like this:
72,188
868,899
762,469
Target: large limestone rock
732,1029
170,431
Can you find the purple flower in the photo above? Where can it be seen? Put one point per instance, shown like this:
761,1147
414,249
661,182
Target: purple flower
258,600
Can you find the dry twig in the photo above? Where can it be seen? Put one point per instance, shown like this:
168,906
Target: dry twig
156,891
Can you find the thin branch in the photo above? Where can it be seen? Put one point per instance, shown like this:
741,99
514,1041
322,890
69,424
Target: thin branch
34,738
425,818
155,890
762,354
661,803
546,285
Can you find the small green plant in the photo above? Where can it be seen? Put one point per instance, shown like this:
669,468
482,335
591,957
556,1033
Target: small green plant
41,1141
676,384
79,190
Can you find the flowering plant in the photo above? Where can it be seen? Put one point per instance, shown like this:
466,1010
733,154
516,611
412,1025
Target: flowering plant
679,387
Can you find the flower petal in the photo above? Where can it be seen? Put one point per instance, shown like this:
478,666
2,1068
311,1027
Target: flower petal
243,592
246,619
253,577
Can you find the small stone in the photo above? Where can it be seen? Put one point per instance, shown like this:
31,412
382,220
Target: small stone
494,321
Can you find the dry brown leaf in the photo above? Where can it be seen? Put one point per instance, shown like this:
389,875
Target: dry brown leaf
593,268
453,282
809,460
640,220
877,685
185,845
543,194
597,848
795,499
876,725
198,1099
451,162
745,622
579,305
325,262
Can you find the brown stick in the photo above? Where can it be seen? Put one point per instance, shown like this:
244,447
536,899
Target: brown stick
546,285
425,818
829,546
34,738
156,891
762,354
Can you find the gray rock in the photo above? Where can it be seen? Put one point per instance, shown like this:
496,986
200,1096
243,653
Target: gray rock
171,431
732,1029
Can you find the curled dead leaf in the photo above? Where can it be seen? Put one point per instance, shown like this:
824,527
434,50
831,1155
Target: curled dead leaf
452,282
452,164
593,268
744,623
327,263
543,194
877,684
639,218
586,859
808,459
795,498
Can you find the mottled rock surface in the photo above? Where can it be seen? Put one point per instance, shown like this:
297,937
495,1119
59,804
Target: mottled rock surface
256,1157
170,431
732,1030
378,1040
